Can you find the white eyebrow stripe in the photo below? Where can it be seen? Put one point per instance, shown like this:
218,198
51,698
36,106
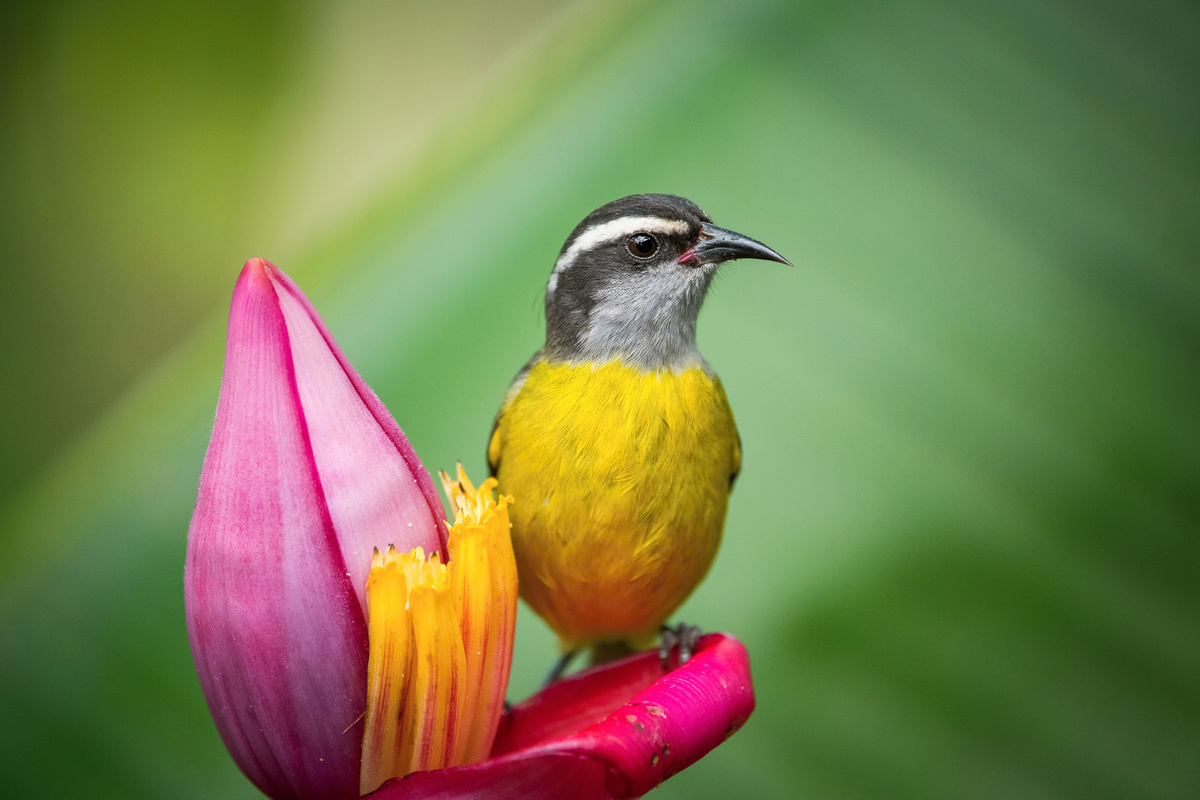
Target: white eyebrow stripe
616,229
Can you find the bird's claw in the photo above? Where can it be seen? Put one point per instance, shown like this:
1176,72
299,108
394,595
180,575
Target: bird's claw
683,636
560,666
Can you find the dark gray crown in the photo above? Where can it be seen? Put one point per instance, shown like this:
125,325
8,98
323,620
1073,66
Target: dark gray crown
667,206
630,279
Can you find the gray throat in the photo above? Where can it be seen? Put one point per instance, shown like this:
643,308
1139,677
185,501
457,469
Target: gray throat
647,320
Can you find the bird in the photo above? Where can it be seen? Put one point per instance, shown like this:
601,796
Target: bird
616,438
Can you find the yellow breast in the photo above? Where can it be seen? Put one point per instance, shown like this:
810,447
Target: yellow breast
621,479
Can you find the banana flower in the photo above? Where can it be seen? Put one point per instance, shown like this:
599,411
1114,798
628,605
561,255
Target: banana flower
346,638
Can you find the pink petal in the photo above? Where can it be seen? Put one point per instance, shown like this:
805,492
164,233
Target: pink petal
550,776
305,472
377,490
614,731
570,705
276,631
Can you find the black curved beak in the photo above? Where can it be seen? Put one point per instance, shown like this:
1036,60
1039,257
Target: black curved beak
717,245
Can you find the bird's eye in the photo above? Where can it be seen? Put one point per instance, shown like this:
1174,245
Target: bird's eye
641,245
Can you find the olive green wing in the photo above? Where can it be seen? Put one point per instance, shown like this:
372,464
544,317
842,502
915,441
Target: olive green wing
495,445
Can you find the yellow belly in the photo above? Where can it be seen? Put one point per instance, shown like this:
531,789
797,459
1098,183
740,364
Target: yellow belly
621,479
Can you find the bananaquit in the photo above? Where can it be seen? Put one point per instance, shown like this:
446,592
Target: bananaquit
616,438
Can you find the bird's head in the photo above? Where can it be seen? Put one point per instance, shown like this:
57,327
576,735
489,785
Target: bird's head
631,278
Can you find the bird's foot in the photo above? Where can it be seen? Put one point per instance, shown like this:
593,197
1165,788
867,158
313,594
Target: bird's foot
683,636
561,665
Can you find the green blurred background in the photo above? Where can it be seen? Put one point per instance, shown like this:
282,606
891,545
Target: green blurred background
965,548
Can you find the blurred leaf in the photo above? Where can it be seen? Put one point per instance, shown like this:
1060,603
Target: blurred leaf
127,132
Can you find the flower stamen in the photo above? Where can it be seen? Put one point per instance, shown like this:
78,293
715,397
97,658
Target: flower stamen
441,639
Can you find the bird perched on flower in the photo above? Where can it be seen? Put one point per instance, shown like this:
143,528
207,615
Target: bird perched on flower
617,436
333,665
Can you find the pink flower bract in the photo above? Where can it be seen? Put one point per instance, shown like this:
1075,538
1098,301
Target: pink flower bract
305,473
609,732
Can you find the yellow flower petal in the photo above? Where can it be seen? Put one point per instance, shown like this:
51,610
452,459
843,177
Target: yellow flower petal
441,638
388,666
